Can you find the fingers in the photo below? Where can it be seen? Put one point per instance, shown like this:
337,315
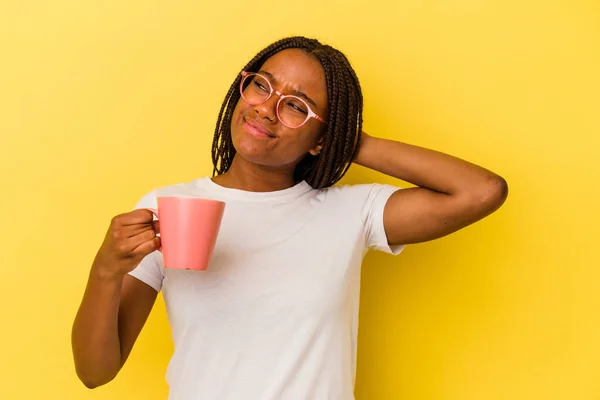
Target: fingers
146,241
134,234
147,247
133,223
141,216
134,230
138,240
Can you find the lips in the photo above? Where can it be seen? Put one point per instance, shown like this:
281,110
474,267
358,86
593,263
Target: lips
257,129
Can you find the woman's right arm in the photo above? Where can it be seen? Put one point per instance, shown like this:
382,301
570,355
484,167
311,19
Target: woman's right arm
115,305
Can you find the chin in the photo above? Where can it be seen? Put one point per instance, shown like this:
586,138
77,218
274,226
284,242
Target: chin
249,148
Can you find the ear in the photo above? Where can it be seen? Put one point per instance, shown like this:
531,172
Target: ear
317,149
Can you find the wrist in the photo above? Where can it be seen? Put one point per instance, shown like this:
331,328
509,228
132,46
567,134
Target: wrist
106,274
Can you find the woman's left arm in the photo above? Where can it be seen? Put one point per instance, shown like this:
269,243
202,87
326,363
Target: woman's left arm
451,193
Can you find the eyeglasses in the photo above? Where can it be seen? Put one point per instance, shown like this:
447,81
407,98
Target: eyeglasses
292,111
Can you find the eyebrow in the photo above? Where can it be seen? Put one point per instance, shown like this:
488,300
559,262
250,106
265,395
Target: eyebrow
297,92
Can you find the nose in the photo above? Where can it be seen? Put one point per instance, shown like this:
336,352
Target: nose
268,109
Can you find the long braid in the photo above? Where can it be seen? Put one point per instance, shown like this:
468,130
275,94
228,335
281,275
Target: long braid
345,102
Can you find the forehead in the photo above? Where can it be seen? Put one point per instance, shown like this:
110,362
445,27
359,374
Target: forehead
297,70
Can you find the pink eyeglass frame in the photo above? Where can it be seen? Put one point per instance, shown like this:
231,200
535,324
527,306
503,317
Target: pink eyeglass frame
311,113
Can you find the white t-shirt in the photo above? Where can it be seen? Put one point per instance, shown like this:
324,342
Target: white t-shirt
275,316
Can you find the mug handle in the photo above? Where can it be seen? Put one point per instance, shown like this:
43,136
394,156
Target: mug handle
155,212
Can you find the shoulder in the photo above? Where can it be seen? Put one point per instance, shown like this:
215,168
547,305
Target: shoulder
364,199
357,192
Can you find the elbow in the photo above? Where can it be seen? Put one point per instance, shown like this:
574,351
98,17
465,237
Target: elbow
491,195
498,191
484,198
90,383
93,370
91,380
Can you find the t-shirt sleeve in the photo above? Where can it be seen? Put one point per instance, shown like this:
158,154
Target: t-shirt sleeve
376,238
150,269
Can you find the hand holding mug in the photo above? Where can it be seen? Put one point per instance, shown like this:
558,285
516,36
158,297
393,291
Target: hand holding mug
130,237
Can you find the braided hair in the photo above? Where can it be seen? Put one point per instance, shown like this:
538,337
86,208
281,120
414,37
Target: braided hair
345,102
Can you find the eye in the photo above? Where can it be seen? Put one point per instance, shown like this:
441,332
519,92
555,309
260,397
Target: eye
296,106
261,84
261,87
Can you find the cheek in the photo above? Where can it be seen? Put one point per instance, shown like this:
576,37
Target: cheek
309,135
298,142
237,113
237,120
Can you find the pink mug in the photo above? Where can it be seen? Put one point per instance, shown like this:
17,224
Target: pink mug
189,227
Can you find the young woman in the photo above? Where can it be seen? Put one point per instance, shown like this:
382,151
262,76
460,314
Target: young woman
275,315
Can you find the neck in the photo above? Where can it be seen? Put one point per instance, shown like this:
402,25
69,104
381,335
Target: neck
244,175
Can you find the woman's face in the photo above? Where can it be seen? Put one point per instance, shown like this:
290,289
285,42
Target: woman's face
291,72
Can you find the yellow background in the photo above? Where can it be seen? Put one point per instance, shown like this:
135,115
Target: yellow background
102,101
